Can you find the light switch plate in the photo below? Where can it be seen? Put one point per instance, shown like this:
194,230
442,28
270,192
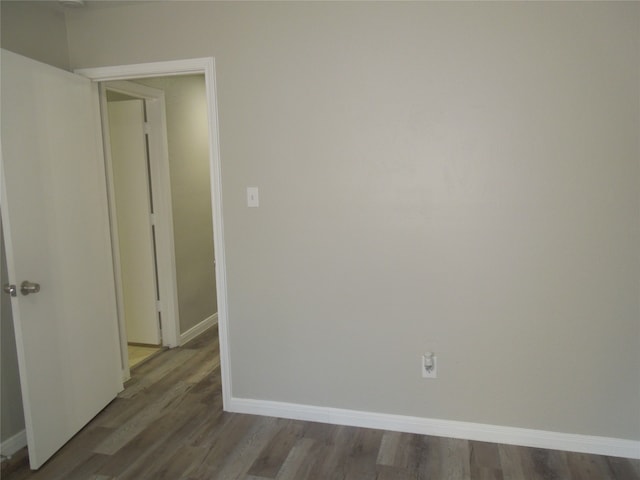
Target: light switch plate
252,197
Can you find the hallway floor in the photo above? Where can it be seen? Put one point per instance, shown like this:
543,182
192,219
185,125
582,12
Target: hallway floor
140,353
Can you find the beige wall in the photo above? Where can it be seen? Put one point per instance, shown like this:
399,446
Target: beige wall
35,29
187,132
11,414
461,177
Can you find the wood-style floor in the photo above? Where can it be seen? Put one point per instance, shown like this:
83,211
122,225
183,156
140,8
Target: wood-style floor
140,353
168,424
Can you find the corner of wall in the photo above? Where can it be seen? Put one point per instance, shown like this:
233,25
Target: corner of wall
23,24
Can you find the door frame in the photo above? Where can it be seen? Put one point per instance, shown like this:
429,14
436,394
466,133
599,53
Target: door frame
204,66
165,263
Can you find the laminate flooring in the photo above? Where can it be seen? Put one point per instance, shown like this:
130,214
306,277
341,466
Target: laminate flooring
140,353
168,423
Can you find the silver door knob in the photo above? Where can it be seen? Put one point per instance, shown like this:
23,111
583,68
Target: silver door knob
10,289
29,287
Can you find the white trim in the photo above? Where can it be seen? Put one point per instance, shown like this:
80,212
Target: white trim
141,70
199,328
161,187
12,444
113,230
184,67
165,246
441,428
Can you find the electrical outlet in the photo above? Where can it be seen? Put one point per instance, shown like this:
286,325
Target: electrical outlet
429,365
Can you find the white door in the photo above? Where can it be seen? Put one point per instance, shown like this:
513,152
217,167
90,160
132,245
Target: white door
129,163
54,210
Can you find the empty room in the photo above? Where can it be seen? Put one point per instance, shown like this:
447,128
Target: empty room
426,226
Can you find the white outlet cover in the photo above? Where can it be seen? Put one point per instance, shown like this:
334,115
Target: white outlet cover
434,371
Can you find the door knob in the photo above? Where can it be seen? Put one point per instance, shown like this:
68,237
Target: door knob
29,287
10,289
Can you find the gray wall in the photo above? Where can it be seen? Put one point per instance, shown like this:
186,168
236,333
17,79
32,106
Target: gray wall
461,177
187,136
11,413
35,29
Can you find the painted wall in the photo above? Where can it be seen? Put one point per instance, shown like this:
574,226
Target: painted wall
11,413
461,177
35,29
187,136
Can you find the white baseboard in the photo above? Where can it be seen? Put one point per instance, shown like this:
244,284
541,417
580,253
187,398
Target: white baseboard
196,330
441,428
13,444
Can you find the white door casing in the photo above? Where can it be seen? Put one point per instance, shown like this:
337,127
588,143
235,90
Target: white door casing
54,210
161,190
204,66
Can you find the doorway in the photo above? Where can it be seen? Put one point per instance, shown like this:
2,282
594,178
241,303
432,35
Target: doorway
157,158
134,136
204,66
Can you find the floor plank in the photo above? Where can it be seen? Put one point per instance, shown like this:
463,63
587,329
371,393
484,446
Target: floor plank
272,457
485,461
511,462
623,468
586,467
